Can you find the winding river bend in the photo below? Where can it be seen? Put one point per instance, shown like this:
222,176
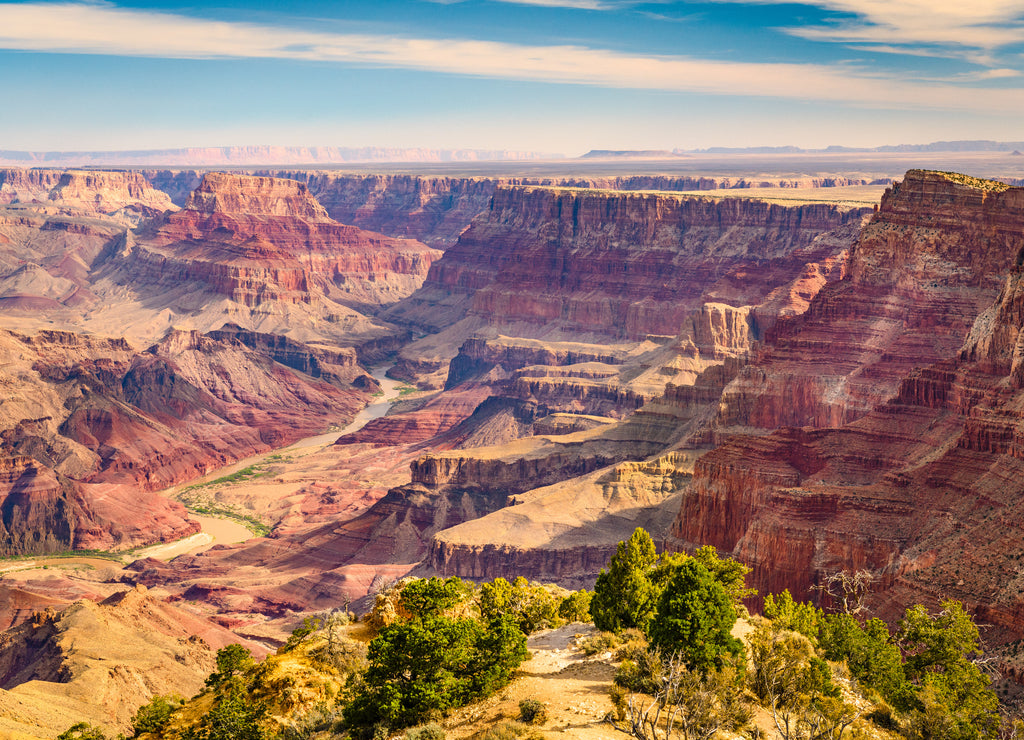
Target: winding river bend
222,530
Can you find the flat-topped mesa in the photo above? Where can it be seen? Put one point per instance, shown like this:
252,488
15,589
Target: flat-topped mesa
121,194
623,264
931,260
256,239
247,195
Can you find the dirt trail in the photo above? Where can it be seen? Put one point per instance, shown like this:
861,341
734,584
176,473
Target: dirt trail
572,686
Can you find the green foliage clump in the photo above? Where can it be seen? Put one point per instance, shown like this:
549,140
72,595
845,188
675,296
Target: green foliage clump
432,731
533,712
694,617
624,595
232,661
431,662
629,593
787,614
925,675
640,673
82,731
602,642
532,605
235,717
576,606
953,696
870,653
155,715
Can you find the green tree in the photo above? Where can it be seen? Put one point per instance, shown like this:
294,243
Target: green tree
694,617
154,716
428,597
953,699
532,605
429,665
576,606
788,614
232,660
730,573
870,653
625,596
234,717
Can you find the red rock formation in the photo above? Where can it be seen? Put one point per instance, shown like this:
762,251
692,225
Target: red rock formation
929,262
924,490
100,425
258,239
433,210
630,265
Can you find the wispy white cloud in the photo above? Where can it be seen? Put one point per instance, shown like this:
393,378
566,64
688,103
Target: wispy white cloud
103,29
901,26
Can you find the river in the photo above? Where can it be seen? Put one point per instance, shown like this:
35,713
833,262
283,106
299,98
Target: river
224,531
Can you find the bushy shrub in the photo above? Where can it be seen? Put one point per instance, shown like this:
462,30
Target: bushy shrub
511,731
532,605
602,642
694,617
533,712
82,731
433,731
154,716
641,675
576,606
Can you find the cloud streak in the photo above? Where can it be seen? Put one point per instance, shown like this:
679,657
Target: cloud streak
103,29
900,25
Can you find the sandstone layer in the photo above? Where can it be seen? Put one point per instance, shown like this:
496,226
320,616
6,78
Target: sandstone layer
92,427
915,472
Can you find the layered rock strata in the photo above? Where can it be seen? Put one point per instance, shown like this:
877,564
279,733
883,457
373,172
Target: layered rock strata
931,260
92,426
922,487
261,239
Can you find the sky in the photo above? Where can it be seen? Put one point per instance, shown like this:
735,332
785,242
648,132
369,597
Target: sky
554,76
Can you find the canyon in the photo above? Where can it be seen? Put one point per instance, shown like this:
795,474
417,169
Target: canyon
811,385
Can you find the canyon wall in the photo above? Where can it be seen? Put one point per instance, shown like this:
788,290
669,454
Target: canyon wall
255,239
910,368
625,265
931,260
92,427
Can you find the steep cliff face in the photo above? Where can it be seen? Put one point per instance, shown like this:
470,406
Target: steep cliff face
256,239
93,426
126,195
433,210
923,489
621,264
931,260
616,268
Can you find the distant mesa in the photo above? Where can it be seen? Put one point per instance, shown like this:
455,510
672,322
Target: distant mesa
1016,153
247,156
631,154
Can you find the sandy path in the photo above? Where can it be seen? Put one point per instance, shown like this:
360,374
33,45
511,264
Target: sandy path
573,688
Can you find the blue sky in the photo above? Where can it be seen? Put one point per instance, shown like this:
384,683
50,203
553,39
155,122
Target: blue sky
561,76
